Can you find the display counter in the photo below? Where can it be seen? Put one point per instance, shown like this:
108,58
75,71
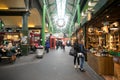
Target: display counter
116,68
103,65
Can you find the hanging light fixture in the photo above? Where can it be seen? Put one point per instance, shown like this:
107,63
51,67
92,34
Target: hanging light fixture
61,19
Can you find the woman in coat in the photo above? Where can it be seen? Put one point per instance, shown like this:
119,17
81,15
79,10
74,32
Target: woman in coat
76,58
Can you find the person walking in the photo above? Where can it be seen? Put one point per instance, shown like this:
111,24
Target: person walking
47,46
81,55
57,44
76,58
63,45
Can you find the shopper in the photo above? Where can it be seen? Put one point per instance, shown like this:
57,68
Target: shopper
82,54
47,46
76,58
33,48
9,47
2,50
57,44
63,45
18,50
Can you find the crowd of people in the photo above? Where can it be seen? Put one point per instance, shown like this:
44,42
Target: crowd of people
61,44
9,49
79,55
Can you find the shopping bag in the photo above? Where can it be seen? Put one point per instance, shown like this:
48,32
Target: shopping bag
72,52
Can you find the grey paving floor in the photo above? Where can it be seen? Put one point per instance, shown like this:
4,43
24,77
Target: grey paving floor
56,65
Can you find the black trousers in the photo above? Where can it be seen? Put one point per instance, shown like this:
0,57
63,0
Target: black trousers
76,60
47,49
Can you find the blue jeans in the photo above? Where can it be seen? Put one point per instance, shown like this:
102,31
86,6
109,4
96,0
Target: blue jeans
82,60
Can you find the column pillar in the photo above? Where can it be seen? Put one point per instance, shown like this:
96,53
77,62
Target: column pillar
43,25
0,25
25,37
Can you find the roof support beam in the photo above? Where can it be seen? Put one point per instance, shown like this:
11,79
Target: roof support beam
70,4
78,14
72,21
52,12
50,22
68,11
49,5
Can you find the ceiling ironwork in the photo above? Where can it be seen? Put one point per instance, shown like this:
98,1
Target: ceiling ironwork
52,11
